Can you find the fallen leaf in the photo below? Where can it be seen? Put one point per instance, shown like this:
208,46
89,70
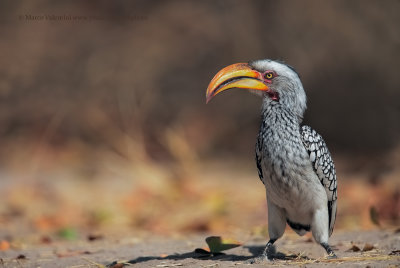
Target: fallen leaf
21,257
374,215
45,240
98,265
115,264
72,253
92,237
218,244
68,233
198,226
4,245
368,247
46,222
169,265
354,248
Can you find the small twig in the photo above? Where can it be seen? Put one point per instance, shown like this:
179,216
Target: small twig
94,263
340,260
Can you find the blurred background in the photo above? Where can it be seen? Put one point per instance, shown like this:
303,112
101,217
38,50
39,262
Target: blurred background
104,126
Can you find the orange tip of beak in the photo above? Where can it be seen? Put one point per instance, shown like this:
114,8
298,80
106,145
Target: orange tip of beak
239,75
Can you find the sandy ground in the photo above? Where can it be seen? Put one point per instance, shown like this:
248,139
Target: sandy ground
383,251
137,222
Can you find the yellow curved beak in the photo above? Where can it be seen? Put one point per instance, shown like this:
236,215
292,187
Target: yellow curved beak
239,75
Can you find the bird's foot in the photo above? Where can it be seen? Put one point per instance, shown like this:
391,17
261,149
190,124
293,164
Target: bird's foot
332,256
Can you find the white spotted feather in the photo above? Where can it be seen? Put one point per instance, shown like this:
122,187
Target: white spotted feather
324,168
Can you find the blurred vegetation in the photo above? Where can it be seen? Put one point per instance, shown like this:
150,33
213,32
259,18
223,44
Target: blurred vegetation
103,122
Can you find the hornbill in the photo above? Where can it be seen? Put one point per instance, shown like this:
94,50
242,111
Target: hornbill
293,161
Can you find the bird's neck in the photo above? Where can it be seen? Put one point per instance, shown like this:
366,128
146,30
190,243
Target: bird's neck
275,114
279,131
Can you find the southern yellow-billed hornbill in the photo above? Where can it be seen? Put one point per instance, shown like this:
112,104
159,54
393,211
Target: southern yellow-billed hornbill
293,161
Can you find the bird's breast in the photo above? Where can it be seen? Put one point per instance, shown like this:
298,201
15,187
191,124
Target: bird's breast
287,171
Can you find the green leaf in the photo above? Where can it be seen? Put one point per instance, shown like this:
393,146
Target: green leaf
374,215
68,233
218,244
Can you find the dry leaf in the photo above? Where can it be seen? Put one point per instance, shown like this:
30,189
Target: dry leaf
92,237
368,247
72,253
21,257
354,248
45,240
170,265
218,244
4,245
117,265
374,215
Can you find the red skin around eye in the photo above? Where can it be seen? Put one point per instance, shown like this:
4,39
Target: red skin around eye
272,94
268,80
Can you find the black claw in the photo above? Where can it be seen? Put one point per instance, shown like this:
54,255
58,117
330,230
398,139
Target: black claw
329,250
269,249
332,256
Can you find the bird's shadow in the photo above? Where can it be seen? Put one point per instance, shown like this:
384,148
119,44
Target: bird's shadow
254,250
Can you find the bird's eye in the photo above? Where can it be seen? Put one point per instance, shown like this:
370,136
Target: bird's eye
269,75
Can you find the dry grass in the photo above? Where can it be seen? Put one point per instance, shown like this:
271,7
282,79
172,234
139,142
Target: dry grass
342,260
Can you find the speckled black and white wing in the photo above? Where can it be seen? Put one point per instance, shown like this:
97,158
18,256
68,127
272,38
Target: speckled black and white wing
258,160
324,168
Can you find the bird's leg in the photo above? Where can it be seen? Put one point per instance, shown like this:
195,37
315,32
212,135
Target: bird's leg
329,250
320,230
276,227
269,248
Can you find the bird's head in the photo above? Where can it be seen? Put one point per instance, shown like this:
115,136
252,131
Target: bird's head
272,80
